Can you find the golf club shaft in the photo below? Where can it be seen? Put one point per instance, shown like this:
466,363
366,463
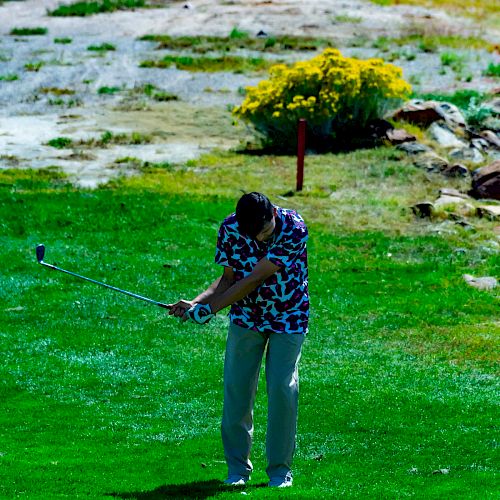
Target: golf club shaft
140,297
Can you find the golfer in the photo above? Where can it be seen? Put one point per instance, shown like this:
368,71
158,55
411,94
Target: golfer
262,249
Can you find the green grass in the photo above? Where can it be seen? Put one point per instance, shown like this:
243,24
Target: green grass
106,396
29,31
34,66
203,44
84,8
235,64
108,90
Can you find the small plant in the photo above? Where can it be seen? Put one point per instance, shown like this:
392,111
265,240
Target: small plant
454,61
493,70
34,66
8,78
85,8
237,34
337,95
29,31
63,41
56,91
477,113
104,47
60,142
108,90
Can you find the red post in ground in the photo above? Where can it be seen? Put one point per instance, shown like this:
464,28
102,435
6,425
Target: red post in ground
301,149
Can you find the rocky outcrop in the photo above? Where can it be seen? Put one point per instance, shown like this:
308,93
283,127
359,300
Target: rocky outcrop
486,182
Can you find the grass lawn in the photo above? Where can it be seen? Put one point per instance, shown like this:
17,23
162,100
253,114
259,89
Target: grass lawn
103,396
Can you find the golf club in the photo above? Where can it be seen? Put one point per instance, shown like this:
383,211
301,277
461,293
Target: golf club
40,254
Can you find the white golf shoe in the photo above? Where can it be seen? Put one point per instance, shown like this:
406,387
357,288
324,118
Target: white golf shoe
281,482
236,480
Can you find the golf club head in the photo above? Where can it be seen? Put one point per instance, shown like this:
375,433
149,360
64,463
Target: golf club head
40,252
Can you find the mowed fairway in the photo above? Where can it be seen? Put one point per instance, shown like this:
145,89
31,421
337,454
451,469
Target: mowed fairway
104,396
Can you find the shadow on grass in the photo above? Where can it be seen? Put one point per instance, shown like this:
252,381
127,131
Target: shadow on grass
197,489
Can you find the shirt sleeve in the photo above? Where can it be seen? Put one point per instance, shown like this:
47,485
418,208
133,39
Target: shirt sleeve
221,254
291,246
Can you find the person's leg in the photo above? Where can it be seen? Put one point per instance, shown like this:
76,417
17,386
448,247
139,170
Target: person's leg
282,378
244,351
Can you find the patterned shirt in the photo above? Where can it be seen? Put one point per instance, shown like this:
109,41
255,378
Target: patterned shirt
281,303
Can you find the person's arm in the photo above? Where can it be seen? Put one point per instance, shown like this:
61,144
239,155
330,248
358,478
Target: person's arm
242,288
217,288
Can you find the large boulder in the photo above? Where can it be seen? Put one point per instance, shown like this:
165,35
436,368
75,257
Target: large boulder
424,113
486,182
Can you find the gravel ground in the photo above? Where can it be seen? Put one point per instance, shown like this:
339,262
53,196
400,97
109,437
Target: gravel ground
29,117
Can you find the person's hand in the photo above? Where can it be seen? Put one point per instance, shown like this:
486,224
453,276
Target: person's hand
179,308
199,313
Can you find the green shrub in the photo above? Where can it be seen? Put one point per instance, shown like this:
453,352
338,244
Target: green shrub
337,95
108,90
477,113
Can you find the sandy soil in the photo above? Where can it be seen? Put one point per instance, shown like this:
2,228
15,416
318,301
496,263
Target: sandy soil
199,122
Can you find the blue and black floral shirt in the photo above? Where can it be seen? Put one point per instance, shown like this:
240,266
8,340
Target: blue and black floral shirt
281,303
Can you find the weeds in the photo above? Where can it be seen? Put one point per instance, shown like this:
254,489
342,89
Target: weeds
107,138
104,47
34,66
63,41
57,91
493,70
235,64
108,90
84,8
204,44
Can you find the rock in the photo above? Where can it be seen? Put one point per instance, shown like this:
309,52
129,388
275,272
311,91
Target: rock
419,112
424,113
486,182
262,34
377,129
491,212
494,105
467,154
431,162
456,170
480,144
188,6
399,136
454,192
484,283
413,148
423,209
491,137
451,114
460,206
492,123
444,136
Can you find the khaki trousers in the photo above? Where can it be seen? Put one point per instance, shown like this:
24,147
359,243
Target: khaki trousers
244,353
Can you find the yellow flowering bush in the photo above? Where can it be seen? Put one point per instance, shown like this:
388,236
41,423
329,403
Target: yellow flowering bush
337,96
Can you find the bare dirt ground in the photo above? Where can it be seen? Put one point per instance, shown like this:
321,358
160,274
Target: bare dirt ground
200,120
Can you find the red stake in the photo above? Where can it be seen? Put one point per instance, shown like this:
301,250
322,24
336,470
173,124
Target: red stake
301,148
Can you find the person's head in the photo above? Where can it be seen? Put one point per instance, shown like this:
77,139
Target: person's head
256,216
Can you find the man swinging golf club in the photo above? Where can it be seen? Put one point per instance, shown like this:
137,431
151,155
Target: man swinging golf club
262,249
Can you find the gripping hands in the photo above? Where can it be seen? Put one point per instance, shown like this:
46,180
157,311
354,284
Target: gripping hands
199,313
191,311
